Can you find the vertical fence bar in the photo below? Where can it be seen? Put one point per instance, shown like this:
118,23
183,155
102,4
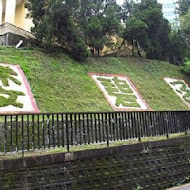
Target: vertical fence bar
88,128
80,131
38,128
33,133
17,148
67,132
133,124
71,128
5,134
28,133
96,129
110,126
186,123
103,130
48,130
84,130
92,128
75,126
11,134
129,124
99,128
22,131
113,126
116,126
58,142
62,131
43,132
107,131
120,127
53,130
138,126
175,120
124,126
167,121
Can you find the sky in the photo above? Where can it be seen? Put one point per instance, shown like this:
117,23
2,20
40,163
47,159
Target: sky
120,2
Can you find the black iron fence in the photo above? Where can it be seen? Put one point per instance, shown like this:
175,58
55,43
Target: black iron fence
25,132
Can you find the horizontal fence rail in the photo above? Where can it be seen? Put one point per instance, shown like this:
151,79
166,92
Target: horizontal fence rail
26,132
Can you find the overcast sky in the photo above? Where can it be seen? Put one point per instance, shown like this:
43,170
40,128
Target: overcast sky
120,2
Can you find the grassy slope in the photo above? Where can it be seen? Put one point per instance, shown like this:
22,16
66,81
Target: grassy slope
61,84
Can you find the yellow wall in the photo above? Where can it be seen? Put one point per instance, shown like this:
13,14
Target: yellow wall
3,18
20,17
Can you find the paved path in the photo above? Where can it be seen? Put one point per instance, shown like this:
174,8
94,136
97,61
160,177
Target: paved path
184,187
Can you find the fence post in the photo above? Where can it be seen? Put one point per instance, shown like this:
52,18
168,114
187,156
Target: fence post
107,132
139,125
186,123
67,132
5,134
167,122
22,135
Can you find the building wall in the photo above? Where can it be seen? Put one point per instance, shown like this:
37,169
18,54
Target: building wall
20,17
169,11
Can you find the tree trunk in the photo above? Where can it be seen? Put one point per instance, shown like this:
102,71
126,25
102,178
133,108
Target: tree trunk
98,52
138,50
133,48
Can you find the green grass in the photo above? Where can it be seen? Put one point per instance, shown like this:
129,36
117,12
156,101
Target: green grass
7,74
59,83
12,98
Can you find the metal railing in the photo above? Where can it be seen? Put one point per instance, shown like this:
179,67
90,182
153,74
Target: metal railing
26,132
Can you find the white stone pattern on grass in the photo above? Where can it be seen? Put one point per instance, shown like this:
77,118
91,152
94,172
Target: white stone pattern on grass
181,89
24,99
119,92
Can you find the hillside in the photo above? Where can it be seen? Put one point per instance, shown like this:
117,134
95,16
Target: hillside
59,83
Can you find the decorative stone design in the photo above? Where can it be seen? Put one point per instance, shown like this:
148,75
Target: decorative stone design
181,88
15,93
119,92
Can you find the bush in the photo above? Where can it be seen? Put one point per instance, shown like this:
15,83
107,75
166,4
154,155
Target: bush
186,67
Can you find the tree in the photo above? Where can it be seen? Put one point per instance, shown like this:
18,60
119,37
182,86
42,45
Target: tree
185,26
183,7
127,9
99,19
148,29
136,34
177,48
54,23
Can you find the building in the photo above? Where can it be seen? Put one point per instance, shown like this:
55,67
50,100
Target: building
14,26
14,12
169,12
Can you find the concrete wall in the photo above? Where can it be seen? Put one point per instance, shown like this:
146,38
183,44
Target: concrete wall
151,166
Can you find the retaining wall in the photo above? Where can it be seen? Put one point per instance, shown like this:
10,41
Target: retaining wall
151,165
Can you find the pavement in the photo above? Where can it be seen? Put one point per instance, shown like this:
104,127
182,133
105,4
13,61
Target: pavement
184,187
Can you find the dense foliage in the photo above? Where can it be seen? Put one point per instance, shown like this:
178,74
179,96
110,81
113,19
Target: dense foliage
79,25
54,23
146,28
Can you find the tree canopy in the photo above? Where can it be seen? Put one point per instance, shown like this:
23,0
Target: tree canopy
149,30
78,26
